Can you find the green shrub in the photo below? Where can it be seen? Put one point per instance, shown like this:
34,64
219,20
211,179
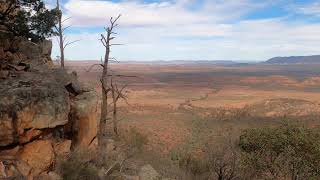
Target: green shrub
285,152
135,139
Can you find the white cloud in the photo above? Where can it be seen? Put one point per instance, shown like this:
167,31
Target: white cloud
309,9
165,13
180,30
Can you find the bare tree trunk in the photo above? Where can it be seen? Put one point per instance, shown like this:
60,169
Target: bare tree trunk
102,141
60,33
102,134
115,118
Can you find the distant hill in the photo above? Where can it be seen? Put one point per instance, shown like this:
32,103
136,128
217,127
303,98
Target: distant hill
295,60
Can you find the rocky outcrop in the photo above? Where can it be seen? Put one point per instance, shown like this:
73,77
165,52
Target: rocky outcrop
17,51
36,100
84,113
44,111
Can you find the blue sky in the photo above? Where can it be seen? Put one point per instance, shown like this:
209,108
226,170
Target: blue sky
194,29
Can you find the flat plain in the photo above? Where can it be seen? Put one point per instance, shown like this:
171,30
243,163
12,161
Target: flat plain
182,106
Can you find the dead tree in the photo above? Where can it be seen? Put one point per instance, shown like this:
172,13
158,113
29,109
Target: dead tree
60,29
106,41
116,95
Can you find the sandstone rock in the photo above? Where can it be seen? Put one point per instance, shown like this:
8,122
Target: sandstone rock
2,170
148,173
7,130
62,148
39,155
9,154
11,171
35,100
30,49
85,119
29,135
37,54
24,168
46,48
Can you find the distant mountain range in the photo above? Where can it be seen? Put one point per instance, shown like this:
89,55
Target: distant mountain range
295,60
315,59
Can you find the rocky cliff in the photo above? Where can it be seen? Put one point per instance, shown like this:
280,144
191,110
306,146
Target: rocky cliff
44,111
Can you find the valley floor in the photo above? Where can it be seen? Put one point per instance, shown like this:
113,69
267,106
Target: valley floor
182,107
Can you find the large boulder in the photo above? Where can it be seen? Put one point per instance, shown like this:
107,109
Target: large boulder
16,50
36,100
37,54
84,115
38,155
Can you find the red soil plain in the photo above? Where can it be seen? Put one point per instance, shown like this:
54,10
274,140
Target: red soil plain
174,104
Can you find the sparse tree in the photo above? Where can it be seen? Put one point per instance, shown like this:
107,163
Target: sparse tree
105,87
223,161
60,30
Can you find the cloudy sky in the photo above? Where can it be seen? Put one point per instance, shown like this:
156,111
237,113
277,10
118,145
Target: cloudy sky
247,30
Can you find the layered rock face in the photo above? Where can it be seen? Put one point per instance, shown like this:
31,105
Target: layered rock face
44,111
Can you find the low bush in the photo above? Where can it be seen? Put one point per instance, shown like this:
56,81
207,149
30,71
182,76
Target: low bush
192,165
78,166
135,139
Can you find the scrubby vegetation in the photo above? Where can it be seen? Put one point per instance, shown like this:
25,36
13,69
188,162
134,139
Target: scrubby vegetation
135,139
78,166
289,151
285,152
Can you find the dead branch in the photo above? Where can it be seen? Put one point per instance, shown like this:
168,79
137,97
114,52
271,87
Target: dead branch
92,66
69,43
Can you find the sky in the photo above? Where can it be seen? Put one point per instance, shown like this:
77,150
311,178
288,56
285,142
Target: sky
247,30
